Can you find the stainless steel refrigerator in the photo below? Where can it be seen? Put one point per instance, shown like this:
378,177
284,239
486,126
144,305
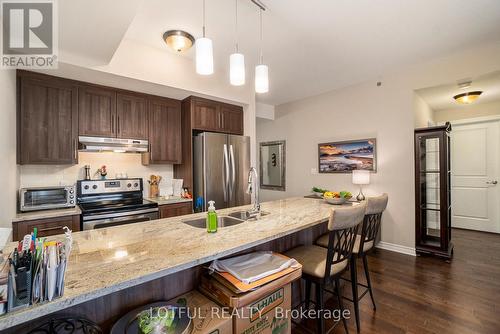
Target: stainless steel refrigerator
221,163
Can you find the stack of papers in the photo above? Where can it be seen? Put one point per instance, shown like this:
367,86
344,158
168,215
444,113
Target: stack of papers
250,271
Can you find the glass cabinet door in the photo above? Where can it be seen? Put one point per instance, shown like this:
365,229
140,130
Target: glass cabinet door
430,181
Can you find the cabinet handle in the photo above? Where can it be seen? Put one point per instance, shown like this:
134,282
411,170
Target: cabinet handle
75,149
118,124
112,124
150,152
223,121
51,229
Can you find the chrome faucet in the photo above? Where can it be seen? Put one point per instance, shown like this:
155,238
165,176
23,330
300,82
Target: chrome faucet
253,190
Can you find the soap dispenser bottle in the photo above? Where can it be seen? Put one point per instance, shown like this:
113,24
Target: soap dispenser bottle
211,218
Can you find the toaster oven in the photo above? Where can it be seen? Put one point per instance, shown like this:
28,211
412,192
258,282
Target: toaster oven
46,198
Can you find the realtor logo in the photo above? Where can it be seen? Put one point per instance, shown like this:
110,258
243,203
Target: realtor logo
28,32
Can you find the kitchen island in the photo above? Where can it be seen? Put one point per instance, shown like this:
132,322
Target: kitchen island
122,263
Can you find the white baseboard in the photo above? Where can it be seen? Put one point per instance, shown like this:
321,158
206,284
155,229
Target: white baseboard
396,248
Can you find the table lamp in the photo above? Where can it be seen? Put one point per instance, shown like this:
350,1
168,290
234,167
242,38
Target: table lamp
360,177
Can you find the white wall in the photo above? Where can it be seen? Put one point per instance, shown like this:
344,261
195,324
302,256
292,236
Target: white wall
264,110
357,112
468,111
365,110
424,115
8,168
37,175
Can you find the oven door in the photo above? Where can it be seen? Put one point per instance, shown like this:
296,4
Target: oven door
114,219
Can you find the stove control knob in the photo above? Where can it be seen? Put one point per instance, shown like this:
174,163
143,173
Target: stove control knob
136,184
71,196
86,187
129,185
71,202
94,186
71,191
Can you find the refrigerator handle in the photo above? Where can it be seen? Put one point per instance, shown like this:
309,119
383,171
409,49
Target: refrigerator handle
225,173
233,171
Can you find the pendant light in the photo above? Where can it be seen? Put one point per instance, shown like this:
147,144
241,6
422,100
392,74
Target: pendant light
204,52
261,70
236,60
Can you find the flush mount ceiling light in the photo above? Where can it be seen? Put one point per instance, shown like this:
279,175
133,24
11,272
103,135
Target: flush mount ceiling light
467,98
178,40
204,52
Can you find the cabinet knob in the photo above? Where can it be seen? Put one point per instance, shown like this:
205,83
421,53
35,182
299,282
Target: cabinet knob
492,182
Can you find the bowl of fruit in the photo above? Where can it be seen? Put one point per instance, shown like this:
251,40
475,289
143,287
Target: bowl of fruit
318,191
337,197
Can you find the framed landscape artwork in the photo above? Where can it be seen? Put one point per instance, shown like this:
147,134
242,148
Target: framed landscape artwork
345,156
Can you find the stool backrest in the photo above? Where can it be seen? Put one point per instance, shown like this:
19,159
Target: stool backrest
375,206
343,228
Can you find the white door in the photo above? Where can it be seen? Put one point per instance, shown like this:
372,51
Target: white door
475,173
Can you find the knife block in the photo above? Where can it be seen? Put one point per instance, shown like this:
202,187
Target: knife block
154,190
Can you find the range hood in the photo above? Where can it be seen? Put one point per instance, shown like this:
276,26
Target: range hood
102,144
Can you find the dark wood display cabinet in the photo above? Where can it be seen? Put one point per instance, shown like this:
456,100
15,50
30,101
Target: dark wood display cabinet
432,191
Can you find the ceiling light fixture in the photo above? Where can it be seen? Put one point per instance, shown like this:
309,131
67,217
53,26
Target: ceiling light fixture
236,60
467,98
261,70
204,52
178,40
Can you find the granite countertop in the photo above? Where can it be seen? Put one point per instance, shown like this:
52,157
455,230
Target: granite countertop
42,214
111,259
165,200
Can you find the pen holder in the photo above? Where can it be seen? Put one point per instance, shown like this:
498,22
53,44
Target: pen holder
13,300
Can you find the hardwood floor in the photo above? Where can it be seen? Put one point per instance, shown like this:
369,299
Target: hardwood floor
427,295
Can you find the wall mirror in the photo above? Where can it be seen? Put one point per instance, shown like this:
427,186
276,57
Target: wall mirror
272,165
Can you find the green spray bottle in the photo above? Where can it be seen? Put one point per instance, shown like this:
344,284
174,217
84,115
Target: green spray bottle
211,218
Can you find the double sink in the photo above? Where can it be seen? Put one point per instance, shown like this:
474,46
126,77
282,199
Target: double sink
231,219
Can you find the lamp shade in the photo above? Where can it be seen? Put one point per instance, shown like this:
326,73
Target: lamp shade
261,79
204,56
237,69
360,176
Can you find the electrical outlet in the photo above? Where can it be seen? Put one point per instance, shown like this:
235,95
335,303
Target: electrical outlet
314,171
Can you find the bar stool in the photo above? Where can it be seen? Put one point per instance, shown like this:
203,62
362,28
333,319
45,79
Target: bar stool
363,244
324,265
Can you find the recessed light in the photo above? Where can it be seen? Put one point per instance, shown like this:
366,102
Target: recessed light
467,98
178,40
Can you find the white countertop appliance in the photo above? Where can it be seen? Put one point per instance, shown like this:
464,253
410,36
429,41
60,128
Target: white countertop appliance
106,203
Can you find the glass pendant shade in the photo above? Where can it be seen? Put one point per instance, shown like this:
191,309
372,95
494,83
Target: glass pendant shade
467,98
237,69
261,79
204,56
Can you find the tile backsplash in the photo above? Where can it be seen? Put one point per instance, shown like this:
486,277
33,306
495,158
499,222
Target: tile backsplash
116,163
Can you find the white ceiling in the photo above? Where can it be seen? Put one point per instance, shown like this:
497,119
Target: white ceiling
441,97
315,46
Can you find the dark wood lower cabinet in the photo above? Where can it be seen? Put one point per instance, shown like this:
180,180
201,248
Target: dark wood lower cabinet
177,209
45,227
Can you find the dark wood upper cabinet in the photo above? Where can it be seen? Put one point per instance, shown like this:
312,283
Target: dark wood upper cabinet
206,115
232,119
97,111
164,132
132,116
47,120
